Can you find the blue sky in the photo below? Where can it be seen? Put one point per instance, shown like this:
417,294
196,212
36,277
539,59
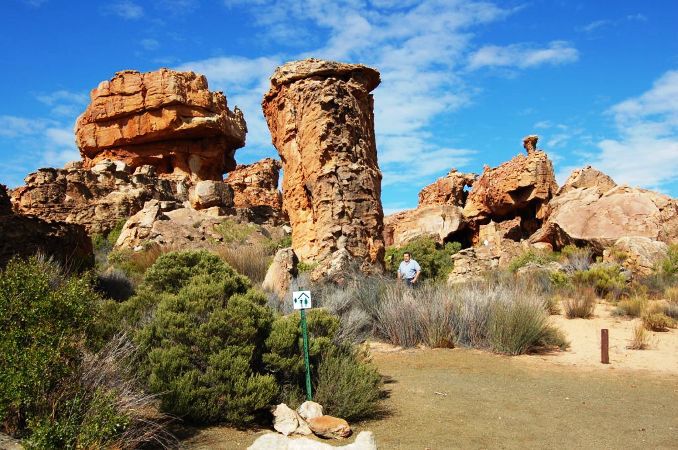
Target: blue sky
462,81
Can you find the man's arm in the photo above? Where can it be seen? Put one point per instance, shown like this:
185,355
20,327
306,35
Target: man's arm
418,271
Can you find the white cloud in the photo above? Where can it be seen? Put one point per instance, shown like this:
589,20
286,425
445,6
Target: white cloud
596,24
523,56
125,9
646,152
14,127
150,44
64,103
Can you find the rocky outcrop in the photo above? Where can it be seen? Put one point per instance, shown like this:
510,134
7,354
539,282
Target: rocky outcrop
587,177
522,187
437,221
320,114
166,119
589,217
97,198
640,255
209,193
24,236
256,184
448,190
281,272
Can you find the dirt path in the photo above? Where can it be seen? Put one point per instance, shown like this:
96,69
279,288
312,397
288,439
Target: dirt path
445,399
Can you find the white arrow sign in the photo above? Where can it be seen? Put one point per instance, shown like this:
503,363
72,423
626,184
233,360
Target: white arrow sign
301,299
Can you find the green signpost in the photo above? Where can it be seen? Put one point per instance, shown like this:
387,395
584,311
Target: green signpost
302,301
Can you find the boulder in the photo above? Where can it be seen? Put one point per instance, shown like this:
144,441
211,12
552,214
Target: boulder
256,184
438,221
589,217
638,254
165,118
495,232
287,421
587,177
281,272
25,236
320,114
274,441
329,427
96,199
448,190
209,193
310,410
520,187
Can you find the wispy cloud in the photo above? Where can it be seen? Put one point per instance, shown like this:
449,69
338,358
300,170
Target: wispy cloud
64,103
600,24
125,9
150,44
523,56
646,151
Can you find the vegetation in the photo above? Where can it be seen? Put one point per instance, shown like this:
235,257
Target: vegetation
434,259
234,232
607,279
657,321
632,307
641,338
580,303
532,256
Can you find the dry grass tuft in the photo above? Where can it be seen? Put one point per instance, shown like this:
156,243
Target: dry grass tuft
641,338
249,260
580,303
657,321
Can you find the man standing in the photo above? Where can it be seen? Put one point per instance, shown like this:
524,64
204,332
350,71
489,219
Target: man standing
409,270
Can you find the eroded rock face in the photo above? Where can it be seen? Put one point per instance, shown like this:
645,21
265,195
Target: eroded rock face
587,177
281,272
24,236
97,198
209,193
588,217
640,255
448,190
166,119
519,187
256,185
320,114
437,221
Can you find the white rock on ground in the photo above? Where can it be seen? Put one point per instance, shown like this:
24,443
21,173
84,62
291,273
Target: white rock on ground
287,421
273,441
310,410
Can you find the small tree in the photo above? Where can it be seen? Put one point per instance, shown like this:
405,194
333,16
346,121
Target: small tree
435,260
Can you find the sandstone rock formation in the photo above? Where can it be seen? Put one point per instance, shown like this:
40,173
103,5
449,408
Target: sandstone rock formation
638,254
97,198
25,236
166,119
256,184
587,177
437,221
209,193
448,190
281,272
322,124
519,187
589,217
329,427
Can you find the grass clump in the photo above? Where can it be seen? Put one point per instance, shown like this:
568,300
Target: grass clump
234,232
532,256
580,303
249,260
641,338
434,259
657,321
632,307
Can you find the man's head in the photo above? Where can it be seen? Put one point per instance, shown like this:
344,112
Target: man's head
406,256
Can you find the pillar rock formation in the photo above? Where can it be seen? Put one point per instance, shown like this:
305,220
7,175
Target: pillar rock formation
321,118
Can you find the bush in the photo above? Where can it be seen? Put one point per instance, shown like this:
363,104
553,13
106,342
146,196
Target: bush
347,385
578,258
234,232
44,317
580,303
135,263
205,340
632,307
657,321
115,284
249,260
435,260
532,256
607,279
669,266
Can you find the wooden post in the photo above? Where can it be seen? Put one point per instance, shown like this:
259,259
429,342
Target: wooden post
604,346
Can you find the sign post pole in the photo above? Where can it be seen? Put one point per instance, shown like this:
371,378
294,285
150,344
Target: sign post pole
301,300
304,331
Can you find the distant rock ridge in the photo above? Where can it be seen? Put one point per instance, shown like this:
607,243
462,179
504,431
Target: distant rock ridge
166,119
320,114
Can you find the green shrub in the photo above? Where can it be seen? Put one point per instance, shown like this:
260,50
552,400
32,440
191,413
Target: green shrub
284,356
435,260
305,266
205,339
632,307
532,256
347,385
606,279
44,317
669,266
234,232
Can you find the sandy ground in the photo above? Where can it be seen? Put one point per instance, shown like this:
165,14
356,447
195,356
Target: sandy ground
461,398
584,337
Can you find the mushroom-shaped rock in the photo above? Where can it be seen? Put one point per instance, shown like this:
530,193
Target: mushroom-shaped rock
165,118
320,114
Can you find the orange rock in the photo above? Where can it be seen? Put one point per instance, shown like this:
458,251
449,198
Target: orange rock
256,184
448,190
329,427
320,114
522,186
165,118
